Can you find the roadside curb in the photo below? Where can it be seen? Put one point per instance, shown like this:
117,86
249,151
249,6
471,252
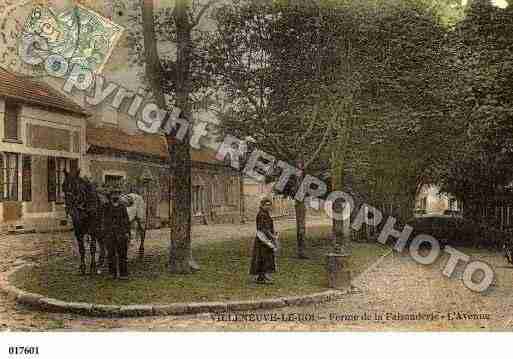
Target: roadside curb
40,302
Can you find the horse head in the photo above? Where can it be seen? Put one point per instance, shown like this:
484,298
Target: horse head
79,193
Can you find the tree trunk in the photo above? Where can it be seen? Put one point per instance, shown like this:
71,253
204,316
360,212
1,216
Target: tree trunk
300,228
242,200
180,252
338,207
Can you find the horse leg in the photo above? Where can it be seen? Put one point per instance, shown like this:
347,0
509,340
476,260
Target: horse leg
81,250
80,242
101,260
92,249
142,234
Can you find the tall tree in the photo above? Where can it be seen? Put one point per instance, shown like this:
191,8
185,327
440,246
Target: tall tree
481,159
399,107
366,73
387,107
180,76
264,55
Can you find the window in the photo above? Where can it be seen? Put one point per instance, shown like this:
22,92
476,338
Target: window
453,204
226,190
52,180
197,200
63,165
113,177
230,189
26,179
165,190
11,121
57,167
9,177
2,175
423,203
218,191
113,180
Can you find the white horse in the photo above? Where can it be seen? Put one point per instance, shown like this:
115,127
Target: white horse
136,208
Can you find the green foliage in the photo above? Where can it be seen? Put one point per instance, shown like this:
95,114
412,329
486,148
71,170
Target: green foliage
265,58
166,34
395,93
370,73
481,101
398,112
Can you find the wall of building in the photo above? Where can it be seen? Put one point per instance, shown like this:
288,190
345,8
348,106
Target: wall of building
432,201
255,191
132,171
220,189
39,202
42,133
221,201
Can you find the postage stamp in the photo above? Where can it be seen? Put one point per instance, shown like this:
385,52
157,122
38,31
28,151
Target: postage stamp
77,33
12,15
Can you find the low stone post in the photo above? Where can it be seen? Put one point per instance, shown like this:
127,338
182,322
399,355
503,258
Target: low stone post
339,276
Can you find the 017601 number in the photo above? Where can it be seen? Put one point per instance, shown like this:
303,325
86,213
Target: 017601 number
23,350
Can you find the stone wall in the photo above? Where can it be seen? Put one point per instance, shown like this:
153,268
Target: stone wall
219,201
254,192
435,202
42,132
39,201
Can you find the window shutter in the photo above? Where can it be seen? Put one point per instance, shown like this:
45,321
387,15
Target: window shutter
2,178
52,180
73,166
12,177
11,121
26,179
226,190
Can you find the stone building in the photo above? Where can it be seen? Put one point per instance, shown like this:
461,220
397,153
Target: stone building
255,191
46,131
42,135
431,201
141,160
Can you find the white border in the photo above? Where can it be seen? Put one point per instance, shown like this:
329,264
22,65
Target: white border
258,345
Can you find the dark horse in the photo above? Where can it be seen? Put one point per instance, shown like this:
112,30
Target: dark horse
84,206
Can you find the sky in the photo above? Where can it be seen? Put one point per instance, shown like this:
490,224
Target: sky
499,3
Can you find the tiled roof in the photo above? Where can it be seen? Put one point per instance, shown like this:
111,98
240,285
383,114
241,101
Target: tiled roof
149,145
31,91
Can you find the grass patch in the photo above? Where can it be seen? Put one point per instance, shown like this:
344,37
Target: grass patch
223,276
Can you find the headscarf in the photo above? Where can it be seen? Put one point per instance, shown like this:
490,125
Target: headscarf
265,200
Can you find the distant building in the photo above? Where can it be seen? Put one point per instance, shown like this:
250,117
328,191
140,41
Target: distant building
431,201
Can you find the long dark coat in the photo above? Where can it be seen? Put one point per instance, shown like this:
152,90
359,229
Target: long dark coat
264,259
116,223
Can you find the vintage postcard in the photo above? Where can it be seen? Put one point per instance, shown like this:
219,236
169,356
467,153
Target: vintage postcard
256,166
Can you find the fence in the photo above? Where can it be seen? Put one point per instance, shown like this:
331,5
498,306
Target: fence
495,224
369,232
499,217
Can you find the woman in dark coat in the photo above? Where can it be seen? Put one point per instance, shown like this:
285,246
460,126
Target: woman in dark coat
117,228
263,261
